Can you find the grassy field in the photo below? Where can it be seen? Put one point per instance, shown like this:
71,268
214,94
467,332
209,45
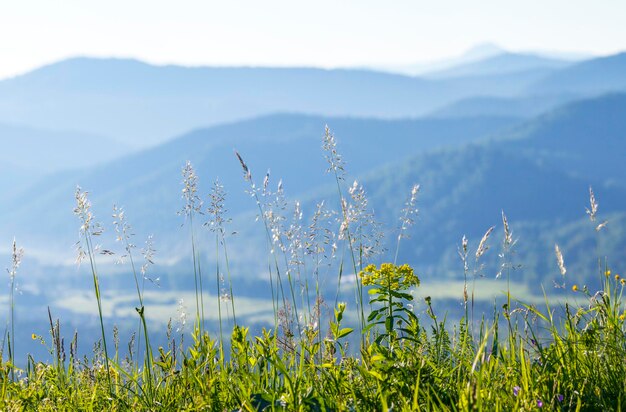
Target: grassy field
380,342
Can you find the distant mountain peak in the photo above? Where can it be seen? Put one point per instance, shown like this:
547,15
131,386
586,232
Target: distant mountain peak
482,51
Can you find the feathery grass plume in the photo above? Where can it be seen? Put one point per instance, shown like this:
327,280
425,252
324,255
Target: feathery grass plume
334,159
285,322
263,215
86,249
271,212
181,322
246,172
508,235
147,252
296,254
406,218
274,214
363,234
561,263
482,245
124,235
16,259
507,266
478,267
559,259
366,230
192,205
507,248
592,211
216,222
463,252
294,236
318,241
593,206
336,167
275,218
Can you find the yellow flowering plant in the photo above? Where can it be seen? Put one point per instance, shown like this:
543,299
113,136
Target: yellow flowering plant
388,285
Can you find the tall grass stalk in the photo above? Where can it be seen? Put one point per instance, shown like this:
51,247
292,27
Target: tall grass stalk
254,192
216,212
482,248
193,205
124,233
275,219
508,242
16,260
406,219
336,167
88,229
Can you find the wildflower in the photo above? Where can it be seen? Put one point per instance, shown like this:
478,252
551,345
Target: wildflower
516,390
607,273
622,316
623,281
390,276
616,277
575,288
33,336
559,397
539,403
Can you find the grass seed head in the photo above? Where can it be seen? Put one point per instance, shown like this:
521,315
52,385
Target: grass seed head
593,205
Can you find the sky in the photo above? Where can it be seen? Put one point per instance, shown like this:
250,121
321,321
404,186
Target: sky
320,33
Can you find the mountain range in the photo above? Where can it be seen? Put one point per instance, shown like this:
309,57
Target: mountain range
528,138
470,170
142,104
147,182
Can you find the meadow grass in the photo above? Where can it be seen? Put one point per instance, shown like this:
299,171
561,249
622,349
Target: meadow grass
399,354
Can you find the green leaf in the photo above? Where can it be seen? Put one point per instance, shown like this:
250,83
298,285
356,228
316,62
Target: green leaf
400,295
344,332
375,374
389,323
373,315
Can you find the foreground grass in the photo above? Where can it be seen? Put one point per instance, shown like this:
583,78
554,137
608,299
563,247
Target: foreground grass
526,362
399,354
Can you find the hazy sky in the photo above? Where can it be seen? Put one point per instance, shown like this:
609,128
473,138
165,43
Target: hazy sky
323,33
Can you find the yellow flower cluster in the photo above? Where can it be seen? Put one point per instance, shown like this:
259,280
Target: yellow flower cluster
390,276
